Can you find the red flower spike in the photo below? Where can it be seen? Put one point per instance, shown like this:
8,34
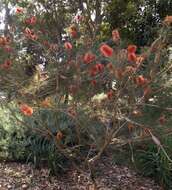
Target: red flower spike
27,21
33,20
141,81
68,45
93,82
99,67
59,136
132,57
26,110
30,34
93,71
106,50
132,48
19,10
110,94
4,41
89,57
7,64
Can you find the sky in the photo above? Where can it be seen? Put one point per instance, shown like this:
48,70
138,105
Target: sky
2,14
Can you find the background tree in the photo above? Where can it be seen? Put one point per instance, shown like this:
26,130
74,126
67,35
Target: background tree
138,20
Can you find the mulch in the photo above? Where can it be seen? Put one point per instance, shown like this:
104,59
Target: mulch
17,176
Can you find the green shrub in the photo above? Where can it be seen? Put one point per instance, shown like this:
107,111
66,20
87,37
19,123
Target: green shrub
152,162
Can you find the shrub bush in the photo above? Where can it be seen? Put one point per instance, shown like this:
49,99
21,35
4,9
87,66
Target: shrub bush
60,102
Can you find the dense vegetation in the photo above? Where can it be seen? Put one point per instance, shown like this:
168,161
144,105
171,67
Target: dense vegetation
74,83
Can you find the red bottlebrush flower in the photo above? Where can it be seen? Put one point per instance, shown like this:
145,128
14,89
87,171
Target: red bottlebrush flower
89,57
59,136
115,36
78,18
106,50
99,67
73,31
93,82
141,81
26,110
4,41
30,34
28,31
33,20
73,34
110,94
162,119
7,64
93,71
132,57
34,37
68,45
132,48
19,10
27,21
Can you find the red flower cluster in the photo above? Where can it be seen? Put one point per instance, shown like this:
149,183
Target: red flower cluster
19,10
32,20
98,68
93,82
4,41
73,31
68,45
141,81
7,64
110,94
89,57
106,50
132,53
26,110
30,34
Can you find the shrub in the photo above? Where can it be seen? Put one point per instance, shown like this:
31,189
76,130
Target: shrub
60,101
153,162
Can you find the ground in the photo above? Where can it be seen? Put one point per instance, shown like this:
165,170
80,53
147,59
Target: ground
17,176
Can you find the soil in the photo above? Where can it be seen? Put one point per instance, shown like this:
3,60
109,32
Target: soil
17,176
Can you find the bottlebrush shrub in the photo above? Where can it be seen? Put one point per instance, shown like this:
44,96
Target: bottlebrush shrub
75,72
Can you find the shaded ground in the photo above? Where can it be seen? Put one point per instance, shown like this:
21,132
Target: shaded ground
17,176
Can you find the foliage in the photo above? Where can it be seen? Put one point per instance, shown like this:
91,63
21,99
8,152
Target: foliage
74,93
153,163
138,20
